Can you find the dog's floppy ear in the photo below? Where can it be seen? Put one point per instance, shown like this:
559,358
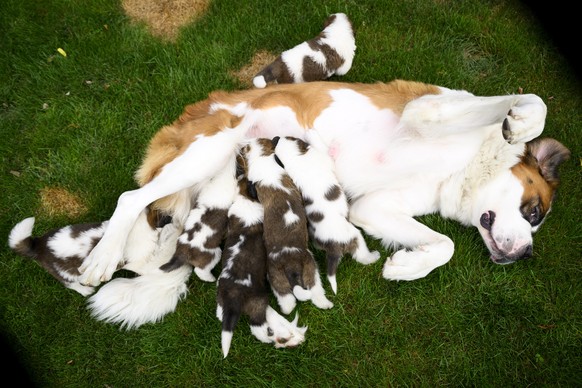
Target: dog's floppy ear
548,154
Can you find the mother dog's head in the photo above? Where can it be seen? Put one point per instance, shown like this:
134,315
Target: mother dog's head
513,205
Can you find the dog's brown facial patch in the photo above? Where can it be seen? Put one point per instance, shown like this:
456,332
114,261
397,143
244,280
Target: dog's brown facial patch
538,173
164,18
537,193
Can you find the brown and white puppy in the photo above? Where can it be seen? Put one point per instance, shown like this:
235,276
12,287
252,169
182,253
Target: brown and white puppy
242,286
205,227
61,251
329,53
325,202
292,270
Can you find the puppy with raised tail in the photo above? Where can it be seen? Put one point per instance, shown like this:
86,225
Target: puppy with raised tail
326,204
329,53
292,270
242,285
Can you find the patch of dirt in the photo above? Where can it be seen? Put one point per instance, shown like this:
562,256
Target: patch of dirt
164,18
246,74
55,201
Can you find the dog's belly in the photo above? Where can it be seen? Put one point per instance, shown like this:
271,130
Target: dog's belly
372,150
277,121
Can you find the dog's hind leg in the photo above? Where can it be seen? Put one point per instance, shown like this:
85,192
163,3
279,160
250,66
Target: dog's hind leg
522,116
424,249
200,161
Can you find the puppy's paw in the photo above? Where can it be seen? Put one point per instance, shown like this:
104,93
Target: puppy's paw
525,121
286,302
318,297
301,293
369,258
205,275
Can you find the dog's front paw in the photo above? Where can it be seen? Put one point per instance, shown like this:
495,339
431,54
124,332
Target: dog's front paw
525,121
403,265
99,266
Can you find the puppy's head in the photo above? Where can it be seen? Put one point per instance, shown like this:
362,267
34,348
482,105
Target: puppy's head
513,205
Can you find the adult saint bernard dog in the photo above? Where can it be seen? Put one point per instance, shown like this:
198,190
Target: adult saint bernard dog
400,149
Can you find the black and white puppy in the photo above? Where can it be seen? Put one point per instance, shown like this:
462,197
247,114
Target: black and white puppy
291,267
205,227
242,286
61,251
325,202
329,53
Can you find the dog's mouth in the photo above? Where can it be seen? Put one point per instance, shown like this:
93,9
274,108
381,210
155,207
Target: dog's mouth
499,255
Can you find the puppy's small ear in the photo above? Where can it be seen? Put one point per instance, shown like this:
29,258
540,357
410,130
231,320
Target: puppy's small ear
549,154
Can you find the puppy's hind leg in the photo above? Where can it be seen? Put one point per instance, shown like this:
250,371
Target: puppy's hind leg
362,254
318,297
199,162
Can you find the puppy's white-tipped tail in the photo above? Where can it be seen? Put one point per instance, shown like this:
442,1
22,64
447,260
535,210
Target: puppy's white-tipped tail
333,283
140,300
226,339
20,232
259,82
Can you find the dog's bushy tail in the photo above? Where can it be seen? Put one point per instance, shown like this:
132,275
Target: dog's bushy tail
20,239
132,302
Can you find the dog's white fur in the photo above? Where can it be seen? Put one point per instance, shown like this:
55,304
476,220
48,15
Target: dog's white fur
325,204
400,150
331,52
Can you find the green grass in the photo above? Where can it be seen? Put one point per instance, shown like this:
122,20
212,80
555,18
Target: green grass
469,323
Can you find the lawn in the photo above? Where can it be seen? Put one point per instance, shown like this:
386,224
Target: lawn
74,125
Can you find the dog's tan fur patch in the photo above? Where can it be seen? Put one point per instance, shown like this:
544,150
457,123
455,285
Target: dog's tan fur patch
164,18
55,201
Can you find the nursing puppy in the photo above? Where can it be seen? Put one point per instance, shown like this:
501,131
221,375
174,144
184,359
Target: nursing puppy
292,270
205,227
242,285
61,251
329,53
325,202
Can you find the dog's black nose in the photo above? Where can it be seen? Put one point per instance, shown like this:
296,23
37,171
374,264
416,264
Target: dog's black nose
487,220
